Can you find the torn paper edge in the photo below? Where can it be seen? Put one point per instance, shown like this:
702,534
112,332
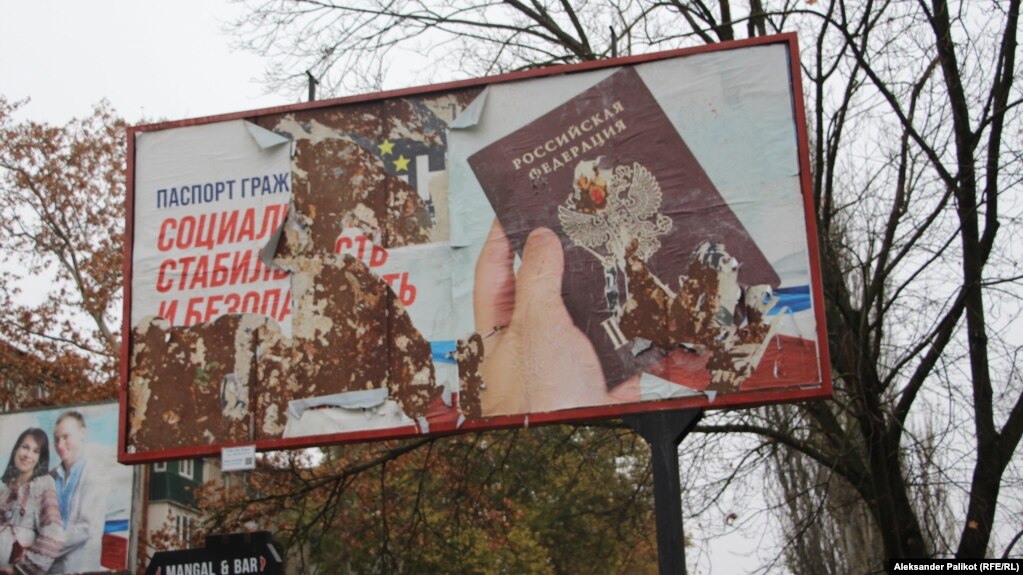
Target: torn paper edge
265,138
470,116
361,399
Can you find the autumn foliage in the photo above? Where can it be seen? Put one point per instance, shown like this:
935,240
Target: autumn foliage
61,226
543,501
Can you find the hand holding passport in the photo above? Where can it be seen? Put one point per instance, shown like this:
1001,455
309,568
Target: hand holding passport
608,174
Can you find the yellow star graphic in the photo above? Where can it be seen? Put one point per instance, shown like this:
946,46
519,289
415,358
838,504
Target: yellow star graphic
401,164
386,148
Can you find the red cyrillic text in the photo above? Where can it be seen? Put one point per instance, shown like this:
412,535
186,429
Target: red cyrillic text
362,248
271,302
220,228
213,271
405,291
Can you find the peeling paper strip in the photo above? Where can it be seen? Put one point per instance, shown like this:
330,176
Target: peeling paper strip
265,138
267,253
362,399
640,345
653,387
470,116
388,415
446,377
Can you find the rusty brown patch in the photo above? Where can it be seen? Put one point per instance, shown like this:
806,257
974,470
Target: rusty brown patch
191,374
340,327
731,335
412,382
469,356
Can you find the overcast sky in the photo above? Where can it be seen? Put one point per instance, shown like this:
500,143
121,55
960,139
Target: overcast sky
166,59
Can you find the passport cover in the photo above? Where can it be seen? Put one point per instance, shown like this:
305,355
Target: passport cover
609,173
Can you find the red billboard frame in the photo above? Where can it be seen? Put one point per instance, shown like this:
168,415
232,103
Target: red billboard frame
746,399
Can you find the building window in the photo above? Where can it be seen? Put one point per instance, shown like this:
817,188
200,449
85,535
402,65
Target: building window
187,468
162,466
184,527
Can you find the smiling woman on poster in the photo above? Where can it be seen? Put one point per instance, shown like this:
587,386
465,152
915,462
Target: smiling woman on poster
31,532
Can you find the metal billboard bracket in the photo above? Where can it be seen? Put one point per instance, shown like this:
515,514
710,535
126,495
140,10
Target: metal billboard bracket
664,431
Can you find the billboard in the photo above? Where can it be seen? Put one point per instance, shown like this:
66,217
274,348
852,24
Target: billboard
555,245
65,502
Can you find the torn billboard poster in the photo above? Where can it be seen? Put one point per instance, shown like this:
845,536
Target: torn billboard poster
557,245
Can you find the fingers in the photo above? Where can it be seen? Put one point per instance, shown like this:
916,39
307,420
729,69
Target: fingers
542,362
494,291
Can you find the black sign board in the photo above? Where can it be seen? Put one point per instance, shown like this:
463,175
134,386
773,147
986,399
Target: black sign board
229,554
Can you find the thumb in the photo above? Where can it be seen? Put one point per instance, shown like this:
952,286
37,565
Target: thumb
538,284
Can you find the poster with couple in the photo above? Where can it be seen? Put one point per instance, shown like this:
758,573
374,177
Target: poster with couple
65,502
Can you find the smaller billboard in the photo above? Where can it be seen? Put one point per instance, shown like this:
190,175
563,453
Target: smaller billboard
65,502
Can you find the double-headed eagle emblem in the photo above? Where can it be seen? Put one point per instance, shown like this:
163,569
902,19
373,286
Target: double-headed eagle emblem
605,215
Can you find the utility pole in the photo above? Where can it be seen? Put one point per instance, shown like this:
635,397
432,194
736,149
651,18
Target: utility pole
312,85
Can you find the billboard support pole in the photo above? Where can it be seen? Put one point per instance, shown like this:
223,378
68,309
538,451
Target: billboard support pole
664,431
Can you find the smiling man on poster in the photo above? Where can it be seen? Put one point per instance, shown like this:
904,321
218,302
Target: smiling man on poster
81,497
